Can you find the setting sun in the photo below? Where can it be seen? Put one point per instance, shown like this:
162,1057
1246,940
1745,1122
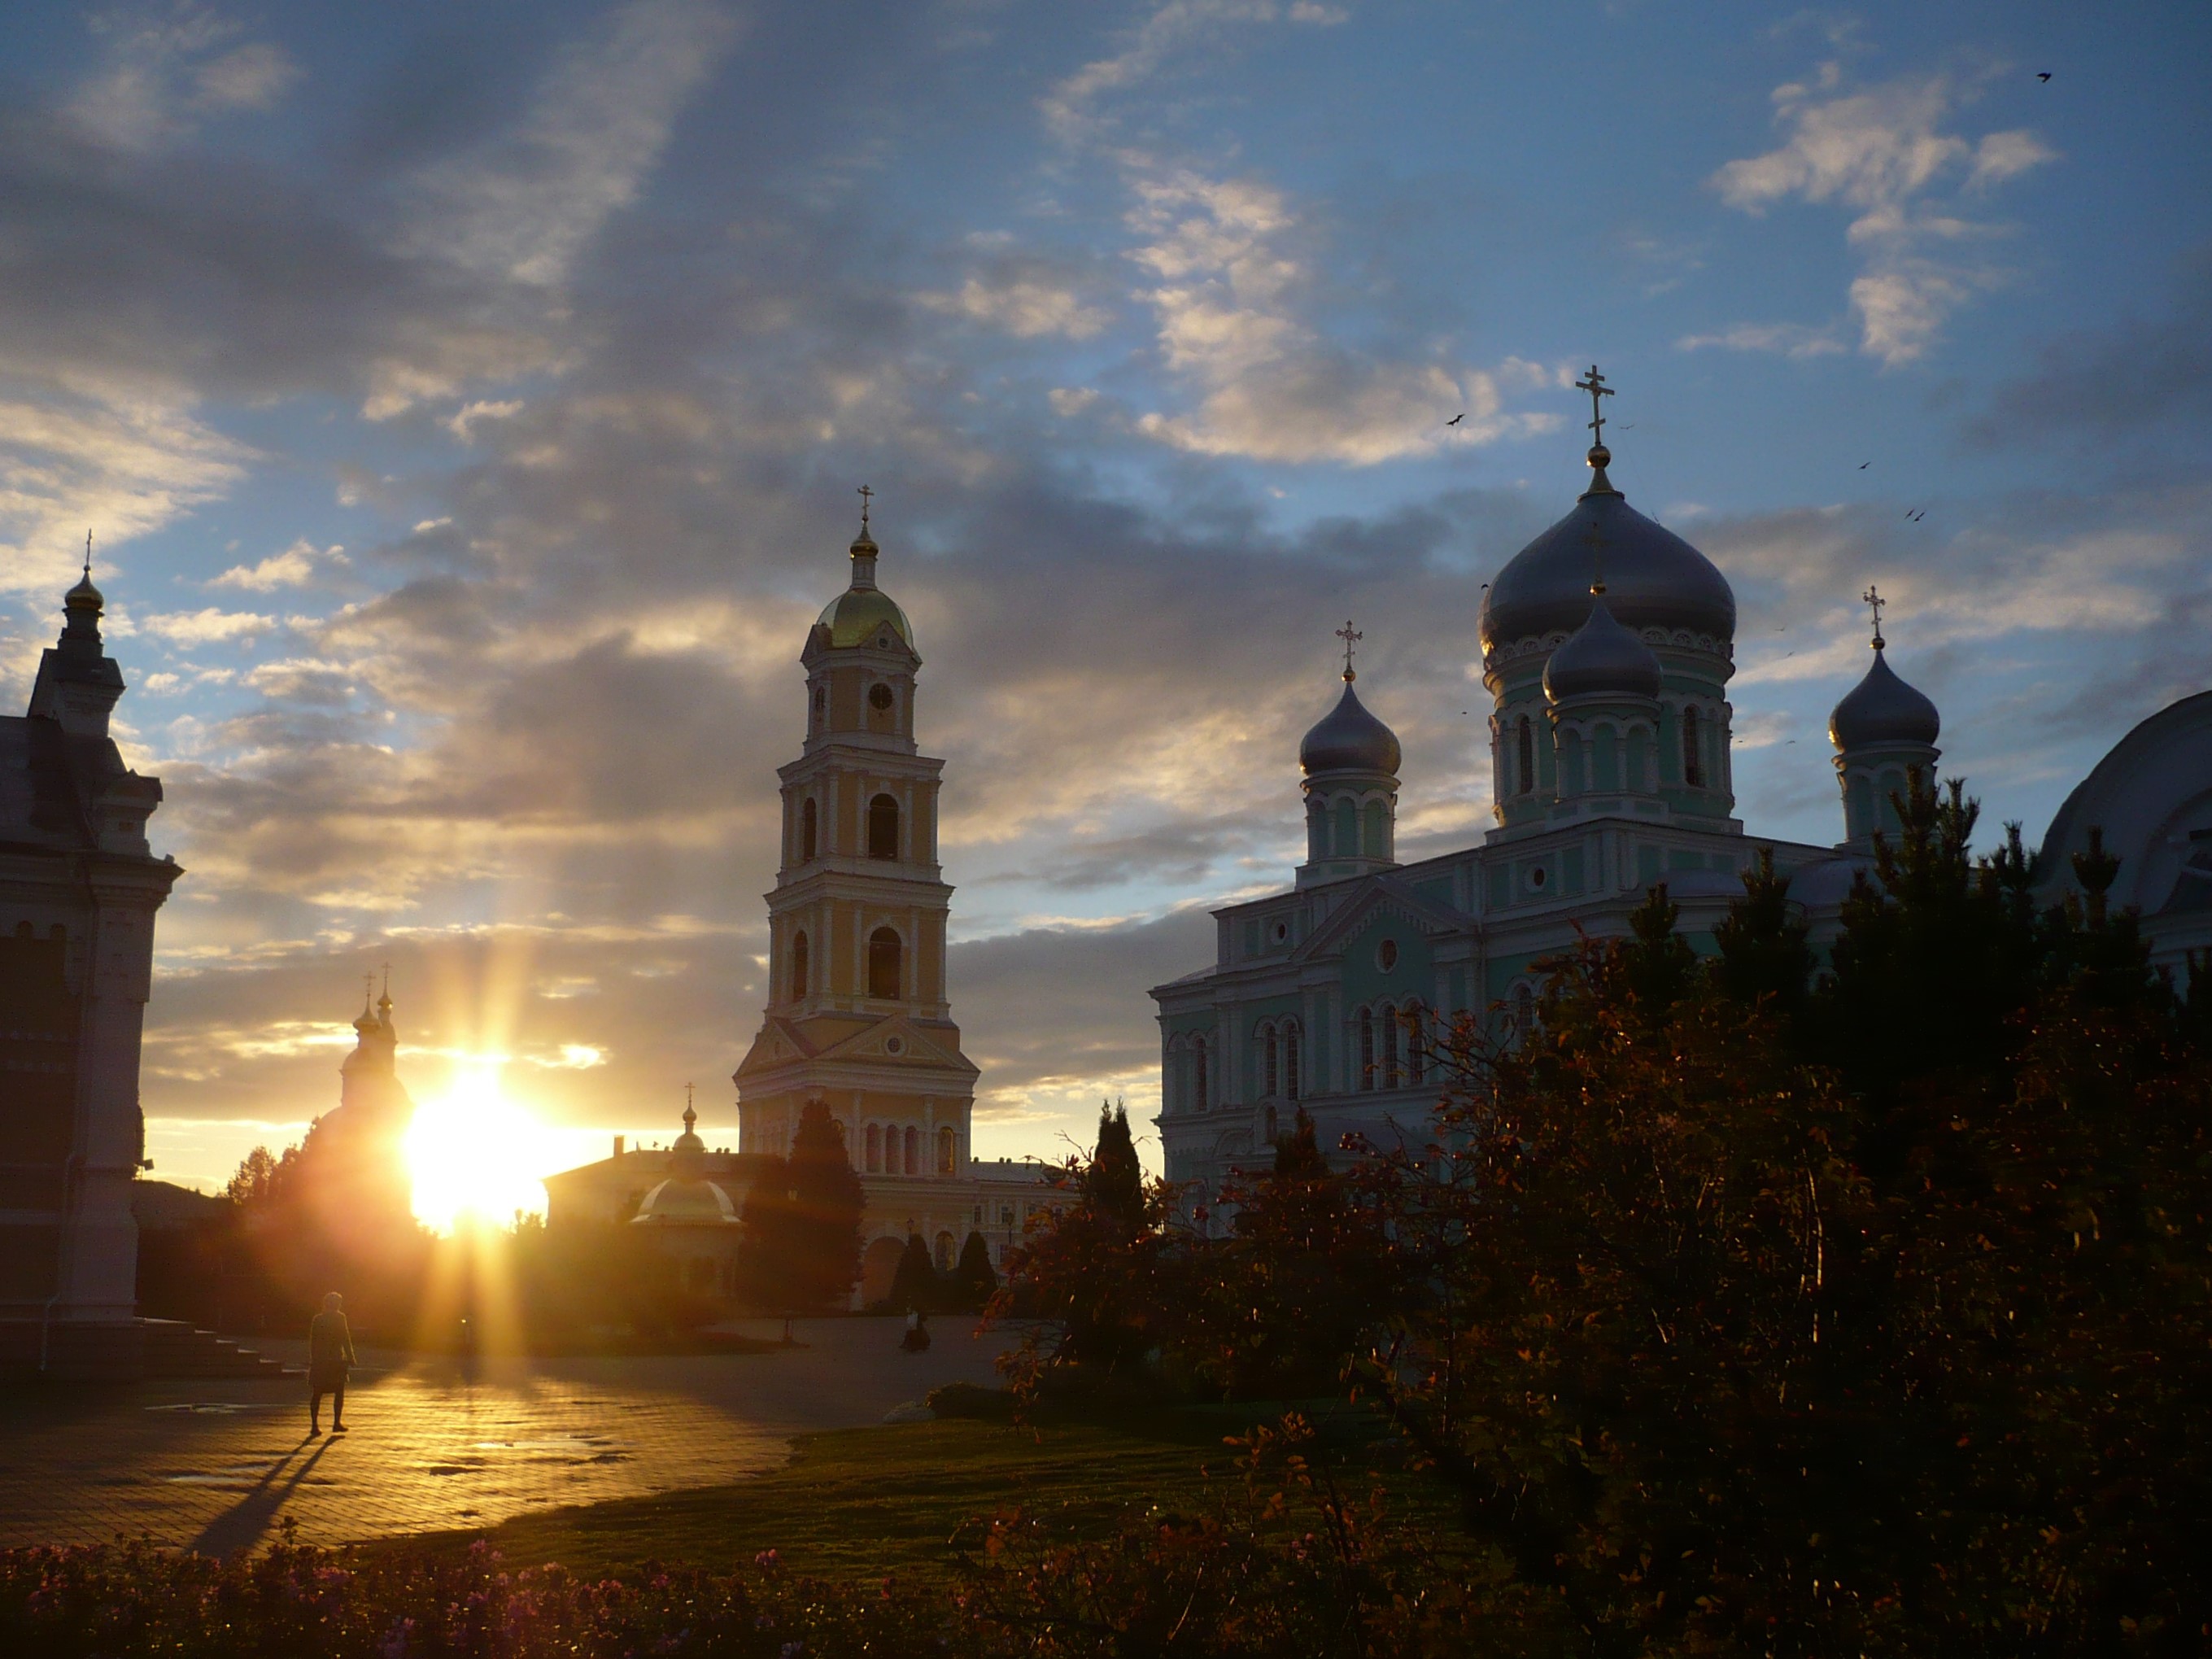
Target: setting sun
472,1152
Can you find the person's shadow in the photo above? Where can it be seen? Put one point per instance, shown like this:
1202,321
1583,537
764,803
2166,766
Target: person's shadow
240,1527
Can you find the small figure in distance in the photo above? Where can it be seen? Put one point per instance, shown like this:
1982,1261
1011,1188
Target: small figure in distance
916,1340
330,1356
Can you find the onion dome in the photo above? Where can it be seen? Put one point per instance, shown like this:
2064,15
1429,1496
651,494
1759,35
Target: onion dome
84,596
1350,739
860,614
1601,659
1653,578
1882,708
679,1203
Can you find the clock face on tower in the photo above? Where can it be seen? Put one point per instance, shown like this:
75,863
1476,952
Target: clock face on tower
880,696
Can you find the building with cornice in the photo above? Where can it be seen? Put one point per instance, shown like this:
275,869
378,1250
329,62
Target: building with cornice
1607,644
858,1015
79,888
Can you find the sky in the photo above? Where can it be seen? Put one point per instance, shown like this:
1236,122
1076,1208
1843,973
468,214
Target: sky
468,402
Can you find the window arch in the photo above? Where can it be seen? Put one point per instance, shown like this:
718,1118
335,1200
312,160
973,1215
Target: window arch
1197,1077
913,1150
798,966
882,827
884,965
1269,1075
1290,1060
810,830
1366,1047
1417,1041
875,1144
1524,743
1393,1076
1693,763
948,1150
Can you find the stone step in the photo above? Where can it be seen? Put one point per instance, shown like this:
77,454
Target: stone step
174,1349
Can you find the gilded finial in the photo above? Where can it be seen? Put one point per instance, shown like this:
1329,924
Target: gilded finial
368,992
1872,598
88,556
690,1116
1595,384
1351,636
866,494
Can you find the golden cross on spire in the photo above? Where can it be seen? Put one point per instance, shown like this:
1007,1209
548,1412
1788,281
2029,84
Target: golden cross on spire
1873,599
1597,388
867,494
368,991
1351,636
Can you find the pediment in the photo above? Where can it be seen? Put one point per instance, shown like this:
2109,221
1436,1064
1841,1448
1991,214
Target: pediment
897,1040
1380,895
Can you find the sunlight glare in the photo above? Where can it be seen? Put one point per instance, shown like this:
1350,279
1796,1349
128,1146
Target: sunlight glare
474,1152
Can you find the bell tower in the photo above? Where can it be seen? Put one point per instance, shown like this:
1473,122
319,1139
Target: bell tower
857,1016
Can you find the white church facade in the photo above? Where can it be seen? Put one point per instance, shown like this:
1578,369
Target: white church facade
1607,643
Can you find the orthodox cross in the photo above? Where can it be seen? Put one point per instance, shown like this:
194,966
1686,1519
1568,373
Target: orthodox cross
87,553
866,495
1873,598
367,990
1351,636
1597,388
690,1116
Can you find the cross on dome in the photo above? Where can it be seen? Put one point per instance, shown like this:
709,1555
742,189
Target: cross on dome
87,553
1351,636
866,495
1874,599
1595,385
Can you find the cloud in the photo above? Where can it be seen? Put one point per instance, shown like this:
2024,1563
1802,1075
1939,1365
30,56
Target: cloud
524,205
290,568
1069,108
1228,296
205,627
162,72
1785,339
1882,153
1024,307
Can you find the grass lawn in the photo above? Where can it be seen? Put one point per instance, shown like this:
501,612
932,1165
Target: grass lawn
861,1503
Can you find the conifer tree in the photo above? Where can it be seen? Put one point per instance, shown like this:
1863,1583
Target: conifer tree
1656,963
973,1279
914,1286
1764,955
801,1251
1114,1182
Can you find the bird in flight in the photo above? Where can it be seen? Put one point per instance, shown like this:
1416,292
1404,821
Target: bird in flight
2043,74
1457,418
1864,466
1917,517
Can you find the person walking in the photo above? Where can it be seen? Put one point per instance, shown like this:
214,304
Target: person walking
330,1356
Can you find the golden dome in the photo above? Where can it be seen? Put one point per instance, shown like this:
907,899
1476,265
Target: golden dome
858,614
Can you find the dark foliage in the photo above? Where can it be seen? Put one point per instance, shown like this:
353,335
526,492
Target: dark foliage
800,1252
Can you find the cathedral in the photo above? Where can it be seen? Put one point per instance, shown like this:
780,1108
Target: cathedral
79,888
858,1018
1607,643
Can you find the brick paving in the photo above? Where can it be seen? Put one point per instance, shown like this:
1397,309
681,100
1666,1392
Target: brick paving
221,1465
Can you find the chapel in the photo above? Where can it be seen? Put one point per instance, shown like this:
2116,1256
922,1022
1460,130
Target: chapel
1606,647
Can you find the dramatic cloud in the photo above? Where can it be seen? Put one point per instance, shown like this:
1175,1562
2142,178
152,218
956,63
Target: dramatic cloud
1881,153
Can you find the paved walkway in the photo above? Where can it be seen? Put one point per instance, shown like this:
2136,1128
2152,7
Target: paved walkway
218,1466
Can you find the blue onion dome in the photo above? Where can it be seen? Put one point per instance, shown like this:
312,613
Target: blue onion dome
1601,659
1882,708
1653,578
1350,739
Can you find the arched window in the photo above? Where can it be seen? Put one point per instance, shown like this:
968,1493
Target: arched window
1524,746
1268,1077
1417,1041
810,829
884,953
821,705
875,1140
947,1150
1693,765
1524,1015
1366,1047
1290,1060
1198,1078
945,1252
913,1151
1374,839
798,967
1389,1018
882,827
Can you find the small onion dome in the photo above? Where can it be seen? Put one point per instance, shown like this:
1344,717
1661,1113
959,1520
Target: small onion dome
679,1203
1882,708
1601,659
1350,739
84,596
1654,579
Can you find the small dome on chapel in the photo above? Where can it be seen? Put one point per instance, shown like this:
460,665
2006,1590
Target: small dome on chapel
1601,658
1350,739
1882,708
